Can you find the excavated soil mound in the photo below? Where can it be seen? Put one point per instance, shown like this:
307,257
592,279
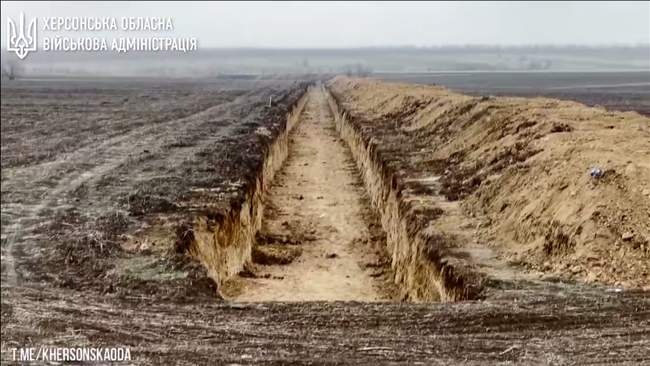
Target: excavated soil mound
553,185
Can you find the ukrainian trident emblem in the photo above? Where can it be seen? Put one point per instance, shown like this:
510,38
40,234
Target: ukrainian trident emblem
21,40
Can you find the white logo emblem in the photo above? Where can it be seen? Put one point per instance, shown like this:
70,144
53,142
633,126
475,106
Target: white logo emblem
24,41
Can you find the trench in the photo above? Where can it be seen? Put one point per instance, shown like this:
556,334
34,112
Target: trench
319,240
325,221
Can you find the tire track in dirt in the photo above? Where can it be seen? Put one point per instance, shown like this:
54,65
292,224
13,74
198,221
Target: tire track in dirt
551,327
108,156
317,202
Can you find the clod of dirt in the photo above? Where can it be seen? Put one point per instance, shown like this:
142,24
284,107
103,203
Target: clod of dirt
247,272
142,204
275,254
282,239
627,236
561,127
332,255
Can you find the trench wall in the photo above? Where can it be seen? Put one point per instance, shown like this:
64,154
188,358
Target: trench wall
223,244
419,269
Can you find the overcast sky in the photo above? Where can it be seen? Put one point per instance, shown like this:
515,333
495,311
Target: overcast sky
330,24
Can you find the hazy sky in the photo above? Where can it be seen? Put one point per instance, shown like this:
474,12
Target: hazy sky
331,24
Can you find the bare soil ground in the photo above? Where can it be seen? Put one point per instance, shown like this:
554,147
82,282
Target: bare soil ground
96,177
549,325
317,241
91,167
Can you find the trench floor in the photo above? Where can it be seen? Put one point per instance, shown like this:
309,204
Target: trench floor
317,216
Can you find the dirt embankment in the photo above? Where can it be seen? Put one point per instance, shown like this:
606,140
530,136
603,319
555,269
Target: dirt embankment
512,174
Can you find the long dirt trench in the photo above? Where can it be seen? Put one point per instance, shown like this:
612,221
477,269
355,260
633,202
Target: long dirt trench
319,239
